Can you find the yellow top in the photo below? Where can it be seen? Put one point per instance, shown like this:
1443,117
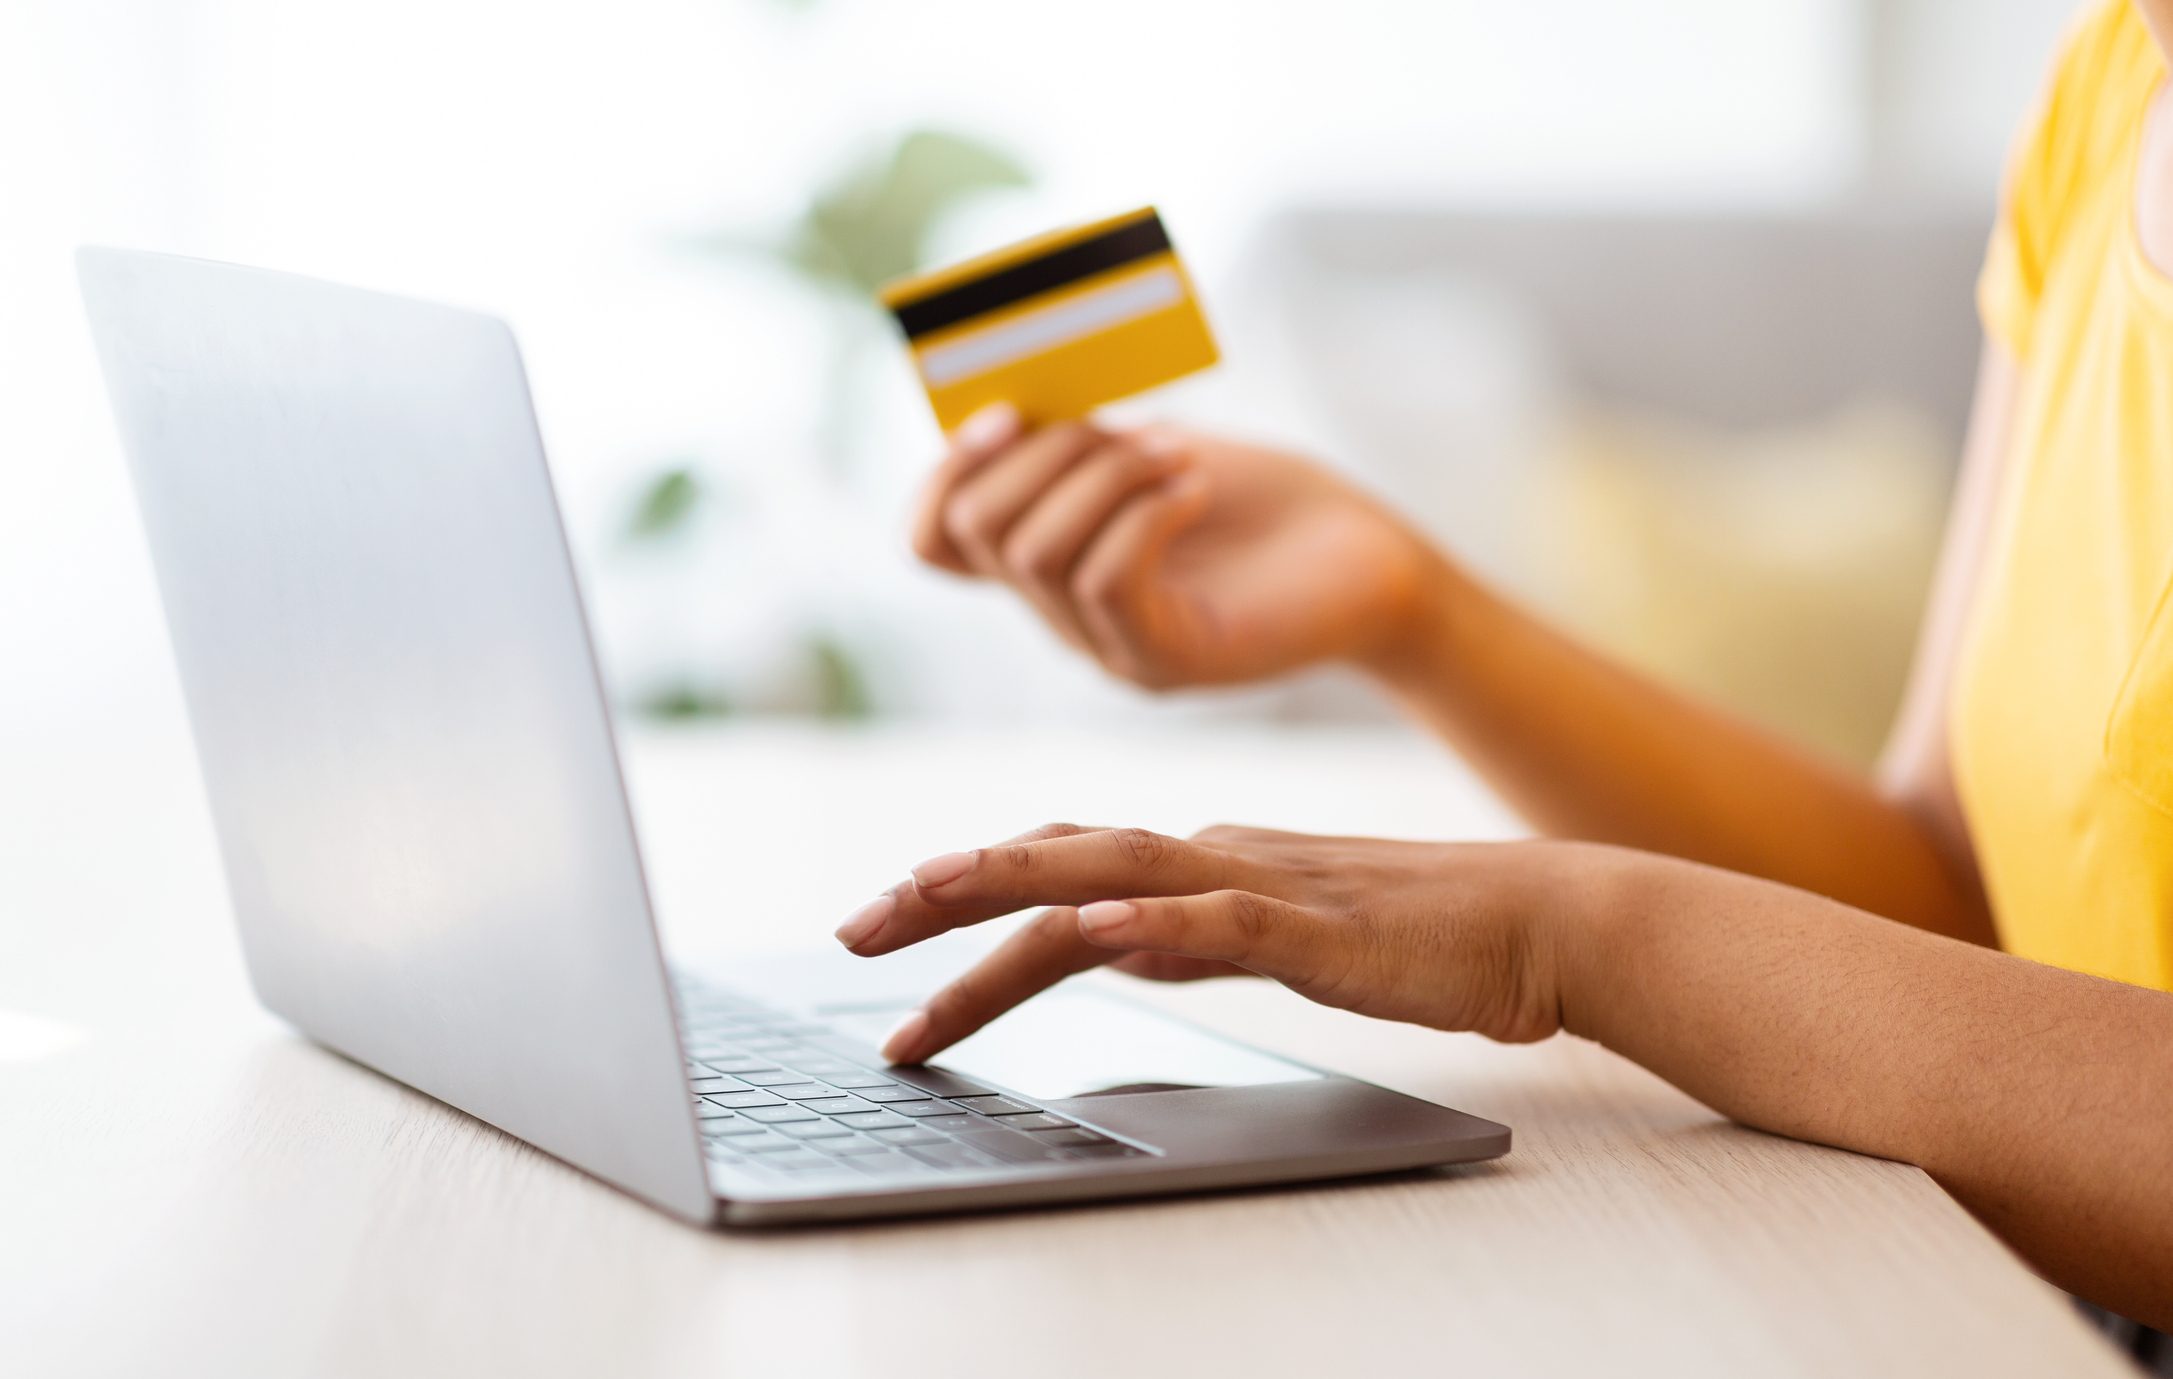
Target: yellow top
2062,723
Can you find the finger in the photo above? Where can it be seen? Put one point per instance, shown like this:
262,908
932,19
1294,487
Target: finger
962,888
1260,933
982,508
1047,540
1112,585
870,919
1170,967
979,439
1044,951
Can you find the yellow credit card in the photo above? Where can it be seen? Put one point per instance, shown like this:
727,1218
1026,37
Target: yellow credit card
1057,325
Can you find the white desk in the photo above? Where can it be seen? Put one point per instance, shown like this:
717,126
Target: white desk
188,1188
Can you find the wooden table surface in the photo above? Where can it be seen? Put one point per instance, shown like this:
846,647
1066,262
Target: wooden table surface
186,1187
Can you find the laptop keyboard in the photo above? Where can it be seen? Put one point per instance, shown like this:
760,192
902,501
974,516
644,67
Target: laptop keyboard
771,1104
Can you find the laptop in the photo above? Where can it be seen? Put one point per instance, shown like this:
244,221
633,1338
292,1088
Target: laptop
410,765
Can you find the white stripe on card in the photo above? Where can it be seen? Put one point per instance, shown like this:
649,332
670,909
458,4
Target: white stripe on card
1036,332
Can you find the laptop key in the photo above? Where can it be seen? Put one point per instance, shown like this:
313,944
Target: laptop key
1037,1120
854,1079
908,1134
948,1155
918,1109
891,1091
813,1129
995,1105
773,1115
858,1144
873,1120
953,1123
798,1161
769,1077
939,1082
802,1091
789,1053
716,1084
842,1106
700,1049
1075,1136
709,1110
738,1125
737,1100
764,1143
886,1163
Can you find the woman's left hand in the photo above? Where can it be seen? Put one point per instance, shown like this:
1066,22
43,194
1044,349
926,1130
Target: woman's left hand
1456,936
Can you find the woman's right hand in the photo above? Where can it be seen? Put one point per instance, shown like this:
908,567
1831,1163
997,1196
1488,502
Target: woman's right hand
1174,558
1455,936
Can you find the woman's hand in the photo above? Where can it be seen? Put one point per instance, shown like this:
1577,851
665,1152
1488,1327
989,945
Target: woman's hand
1173,559
2036,1096
1456,936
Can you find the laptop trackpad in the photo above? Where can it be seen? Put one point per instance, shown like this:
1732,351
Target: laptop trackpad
1072,1043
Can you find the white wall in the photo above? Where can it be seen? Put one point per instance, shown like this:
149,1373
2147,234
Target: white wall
1943,84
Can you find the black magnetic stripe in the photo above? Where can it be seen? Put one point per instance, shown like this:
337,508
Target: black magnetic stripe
1111,249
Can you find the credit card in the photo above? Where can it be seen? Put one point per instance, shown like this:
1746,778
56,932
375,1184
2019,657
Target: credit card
1056,325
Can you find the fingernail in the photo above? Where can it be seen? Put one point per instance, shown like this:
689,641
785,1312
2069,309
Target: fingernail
942,871
861,924
1103,914
903,1043
992,425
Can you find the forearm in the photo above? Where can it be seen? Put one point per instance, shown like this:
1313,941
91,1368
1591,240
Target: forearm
1585,747
2042,1099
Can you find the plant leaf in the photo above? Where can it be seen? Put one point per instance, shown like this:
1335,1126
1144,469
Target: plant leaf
666,505
874,221
871,222
685,700
841,689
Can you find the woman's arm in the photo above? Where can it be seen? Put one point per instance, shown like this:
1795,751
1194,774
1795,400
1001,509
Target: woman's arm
1188,560
1585,747
2041,1098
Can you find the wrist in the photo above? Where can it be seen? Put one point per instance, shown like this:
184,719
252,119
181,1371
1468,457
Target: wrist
1599,945
1414,643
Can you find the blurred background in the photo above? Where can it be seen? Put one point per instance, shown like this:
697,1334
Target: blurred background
1658,313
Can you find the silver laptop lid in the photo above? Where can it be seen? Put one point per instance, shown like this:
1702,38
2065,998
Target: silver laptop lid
395,704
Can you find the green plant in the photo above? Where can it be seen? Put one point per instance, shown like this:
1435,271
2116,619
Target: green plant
873,220
684,700
668,499
841,687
